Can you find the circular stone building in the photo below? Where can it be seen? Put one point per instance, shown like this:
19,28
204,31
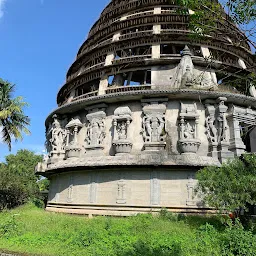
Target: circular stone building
143,109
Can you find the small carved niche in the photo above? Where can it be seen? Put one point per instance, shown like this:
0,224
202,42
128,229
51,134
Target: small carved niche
153,124
121,192
121,122
189,141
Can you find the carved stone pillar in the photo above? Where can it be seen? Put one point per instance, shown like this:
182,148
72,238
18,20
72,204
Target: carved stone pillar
239,117
155,188
189,141
121,122
153,124
73,148
95,129
236,144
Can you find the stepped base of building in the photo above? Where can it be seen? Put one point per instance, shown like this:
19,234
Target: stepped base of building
125,191
121,211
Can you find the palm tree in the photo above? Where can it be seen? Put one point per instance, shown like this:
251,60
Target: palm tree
13,121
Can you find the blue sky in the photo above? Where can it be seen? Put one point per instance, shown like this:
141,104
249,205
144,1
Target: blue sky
39,40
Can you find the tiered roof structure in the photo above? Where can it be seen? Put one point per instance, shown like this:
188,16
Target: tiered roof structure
143,108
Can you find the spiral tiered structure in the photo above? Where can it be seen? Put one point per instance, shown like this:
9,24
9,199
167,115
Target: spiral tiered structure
143,108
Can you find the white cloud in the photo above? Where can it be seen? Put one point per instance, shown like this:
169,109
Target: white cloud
2,3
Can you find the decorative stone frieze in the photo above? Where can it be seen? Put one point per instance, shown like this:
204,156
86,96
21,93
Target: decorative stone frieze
189,141
191,201
153,124
121,191
217,129
145,146
95,128
121,122
73,148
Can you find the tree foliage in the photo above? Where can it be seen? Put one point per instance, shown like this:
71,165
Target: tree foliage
231,186
206,13
13,121
210,19
18,183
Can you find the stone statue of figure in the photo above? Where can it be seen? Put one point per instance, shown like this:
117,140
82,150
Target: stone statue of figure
122,131
153,126
187,78
211,129
58,136
95,132
189,131
222,134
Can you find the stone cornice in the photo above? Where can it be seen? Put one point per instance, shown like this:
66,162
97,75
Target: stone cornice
238,99
132,160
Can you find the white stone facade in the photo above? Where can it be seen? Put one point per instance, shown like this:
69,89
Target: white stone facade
142,110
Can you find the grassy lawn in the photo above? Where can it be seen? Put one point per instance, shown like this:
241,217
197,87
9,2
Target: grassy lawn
36,232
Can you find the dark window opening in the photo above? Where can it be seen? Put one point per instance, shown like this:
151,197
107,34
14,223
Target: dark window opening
87,88
249,137
172,48
133,78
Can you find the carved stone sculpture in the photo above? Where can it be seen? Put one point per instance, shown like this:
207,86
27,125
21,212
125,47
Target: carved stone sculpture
153,124
211,130
189,140
121,122
73,148
95,128
57,139
184,75
217,129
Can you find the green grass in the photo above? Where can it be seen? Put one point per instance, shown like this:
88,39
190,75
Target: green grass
36,232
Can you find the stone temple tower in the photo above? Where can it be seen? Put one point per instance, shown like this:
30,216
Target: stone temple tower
143,108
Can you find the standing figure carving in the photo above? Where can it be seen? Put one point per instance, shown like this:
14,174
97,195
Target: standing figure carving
58,136
95,132
95,129
122,130
153,124
217,129
189,131
153,127
211,130
189,141
223,127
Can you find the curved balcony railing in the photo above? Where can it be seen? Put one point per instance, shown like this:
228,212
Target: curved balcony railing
86,95
136,34
131,59
86,70
127,88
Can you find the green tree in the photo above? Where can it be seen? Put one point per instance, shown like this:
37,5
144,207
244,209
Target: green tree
13,121
207,13
209,19
18,183
230,187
